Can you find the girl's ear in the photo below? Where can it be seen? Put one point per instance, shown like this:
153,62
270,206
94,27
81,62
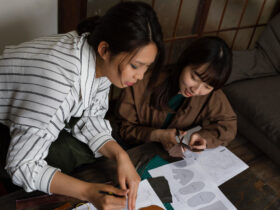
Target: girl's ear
103,50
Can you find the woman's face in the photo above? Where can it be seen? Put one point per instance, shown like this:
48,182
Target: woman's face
125,69
191,84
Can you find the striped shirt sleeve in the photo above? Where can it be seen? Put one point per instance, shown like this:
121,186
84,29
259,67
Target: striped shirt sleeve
40,90
92,128
25,159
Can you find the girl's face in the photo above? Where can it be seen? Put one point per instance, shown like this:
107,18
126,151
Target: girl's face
191,84
125,69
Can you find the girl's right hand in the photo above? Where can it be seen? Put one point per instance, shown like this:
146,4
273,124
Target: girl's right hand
168,138
102,201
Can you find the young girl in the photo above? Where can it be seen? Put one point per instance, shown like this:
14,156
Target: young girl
48,81
186,94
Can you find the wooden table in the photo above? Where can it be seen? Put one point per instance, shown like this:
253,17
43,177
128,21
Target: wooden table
246,191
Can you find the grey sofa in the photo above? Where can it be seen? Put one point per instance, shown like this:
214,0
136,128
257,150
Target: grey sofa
254,91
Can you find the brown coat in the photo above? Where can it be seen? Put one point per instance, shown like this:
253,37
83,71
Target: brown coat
213,112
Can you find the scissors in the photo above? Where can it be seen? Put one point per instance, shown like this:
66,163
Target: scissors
186,146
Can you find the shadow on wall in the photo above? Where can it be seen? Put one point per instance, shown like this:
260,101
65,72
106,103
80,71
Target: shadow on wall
16,32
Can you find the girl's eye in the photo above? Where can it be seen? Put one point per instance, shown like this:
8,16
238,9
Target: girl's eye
208,87
194,77
133,66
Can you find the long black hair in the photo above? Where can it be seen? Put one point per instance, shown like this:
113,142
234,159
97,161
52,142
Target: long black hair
206,50
126,27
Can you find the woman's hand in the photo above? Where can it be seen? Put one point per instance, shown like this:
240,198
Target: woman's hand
197,142
64,184
127,175
128,178
103,201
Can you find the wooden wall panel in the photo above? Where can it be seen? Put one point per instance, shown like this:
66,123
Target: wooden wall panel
70,13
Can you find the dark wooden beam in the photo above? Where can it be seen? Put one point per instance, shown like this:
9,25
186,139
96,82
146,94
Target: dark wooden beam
201,16
70,13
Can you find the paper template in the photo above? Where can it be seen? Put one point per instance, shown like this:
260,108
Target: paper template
187,137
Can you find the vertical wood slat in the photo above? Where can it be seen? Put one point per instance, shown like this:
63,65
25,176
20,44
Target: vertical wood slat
239,23
70,14
257,22
201,16
175,30
153,4
222,18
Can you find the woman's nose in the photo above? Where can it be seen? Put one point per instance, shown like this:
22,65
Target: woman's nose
139,76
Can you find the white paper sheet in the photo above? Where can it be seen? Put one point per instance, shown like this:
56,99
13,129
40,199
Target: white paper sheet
219,163
191,188
86,206
146,196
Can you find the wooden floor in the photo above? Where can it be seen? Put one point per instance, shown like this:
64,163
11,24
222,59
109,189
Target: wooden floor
264,172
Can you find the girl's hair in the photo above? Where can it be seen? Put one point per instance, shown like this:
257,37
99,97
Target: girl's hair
126,27
206,50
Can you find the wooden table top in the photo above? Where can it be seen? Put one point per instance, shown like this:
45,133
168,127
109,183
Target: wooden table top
245,191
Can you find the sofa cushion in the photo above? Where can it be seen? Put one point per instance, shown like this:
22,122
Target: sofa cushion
259,138
249,64
258,100
269,42
263,60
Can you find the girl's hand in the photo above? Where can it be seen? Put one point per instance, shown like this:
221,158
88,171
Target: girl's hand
197,142
128,178
102,201
167,137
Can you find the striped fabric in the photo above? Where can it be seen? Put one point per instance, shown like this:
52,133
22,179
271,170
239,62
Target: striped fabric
43,83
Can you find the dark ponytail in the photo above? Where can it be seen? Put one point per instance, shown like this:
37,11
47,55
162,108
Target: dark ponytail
88,25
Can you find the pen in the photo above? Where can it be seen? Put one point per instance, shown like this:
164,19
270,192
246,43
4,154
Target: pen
110,193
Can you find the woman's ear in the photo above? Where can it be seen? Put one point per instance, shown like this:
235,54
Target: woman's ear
103,50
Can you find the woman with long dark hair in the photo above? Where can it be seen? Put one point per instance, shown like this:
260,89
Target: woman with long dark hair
185,95
63,81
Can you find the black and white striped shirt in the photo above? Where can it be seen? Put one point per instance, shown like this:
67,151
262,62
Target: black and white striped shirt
43,83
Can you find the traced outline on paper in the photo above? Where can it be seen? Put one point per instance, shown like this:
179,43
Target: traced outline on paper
201,198
184,175
180,164
192,188
218,205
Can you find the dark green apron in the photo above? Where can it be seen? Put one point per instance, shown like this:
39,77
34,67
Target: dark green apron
67,153
174,103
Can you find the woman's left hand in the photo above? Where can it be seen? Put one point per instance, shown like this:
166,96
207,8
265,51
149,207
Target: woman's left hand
197,142
128,178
